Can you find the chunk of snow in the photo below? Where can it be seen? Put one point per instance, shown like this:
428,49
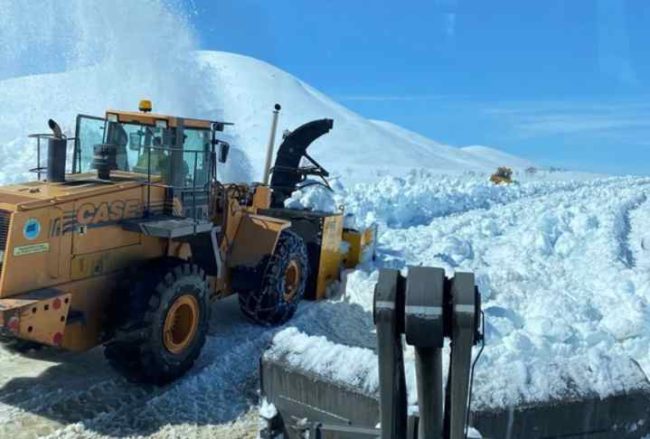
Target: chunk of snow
351,366
313,197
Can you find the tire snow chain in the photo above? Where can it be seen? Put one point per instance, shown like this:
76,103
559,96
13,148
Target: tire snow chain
426,307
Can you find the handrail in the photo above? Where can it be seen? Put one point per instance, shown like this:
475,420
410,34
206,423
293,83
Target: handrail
38,136
194,189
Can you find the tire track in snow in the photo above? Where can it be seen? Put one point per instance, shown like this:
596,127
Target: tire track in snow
60,396
508,216
626,254
219,389
638,237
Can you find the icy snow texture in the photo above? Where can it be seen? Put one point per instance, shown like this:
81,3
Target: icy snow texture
563,268
313,197
352,366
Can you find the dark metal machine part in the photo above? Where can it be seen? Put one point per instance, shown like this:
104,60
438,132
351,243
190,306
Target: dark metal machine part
425,307
287,172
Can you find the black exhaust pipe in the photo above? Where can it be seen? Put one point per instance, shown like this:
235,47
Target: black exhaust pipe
56,152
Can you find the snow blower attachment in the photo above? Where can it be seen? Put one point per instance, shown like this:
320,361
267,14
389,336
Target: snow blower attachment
426,308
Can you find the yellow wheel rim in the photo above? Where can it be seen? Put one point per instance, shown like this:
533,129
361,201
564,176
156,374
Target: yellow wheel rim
291,281
181,323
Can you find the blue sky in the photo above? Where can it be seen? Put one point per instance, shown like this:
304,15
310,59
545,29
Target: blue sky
564,83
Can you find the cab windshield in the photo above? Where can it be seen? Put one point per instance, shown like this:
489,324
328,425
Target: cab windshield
181,161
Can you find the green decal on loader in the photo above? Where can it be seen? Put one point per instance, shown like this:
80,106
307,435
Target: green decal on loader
31,249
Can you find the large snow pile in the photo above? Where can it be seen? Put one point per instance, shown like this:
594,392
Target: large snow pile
563,269
247,90
112,54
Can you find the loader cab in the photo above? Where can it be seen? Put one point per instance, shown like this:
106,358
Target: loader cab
175,153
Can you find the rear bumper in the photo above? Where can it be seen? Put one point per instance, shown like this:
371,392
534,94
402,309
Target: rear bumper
38,316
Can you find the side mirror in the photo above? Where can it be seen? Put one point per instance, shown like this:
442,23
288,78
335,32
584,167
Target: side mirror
224,147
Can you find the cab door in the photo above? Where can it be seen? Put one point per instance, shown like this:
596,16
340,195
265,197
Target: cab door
88,133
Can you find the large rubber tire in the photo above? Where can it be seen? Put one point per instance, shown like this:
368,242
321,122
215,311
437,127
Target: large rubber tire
281,283
162,323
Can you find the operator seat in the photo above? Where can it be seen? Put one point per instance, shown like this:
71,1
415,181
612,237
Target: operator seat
117,136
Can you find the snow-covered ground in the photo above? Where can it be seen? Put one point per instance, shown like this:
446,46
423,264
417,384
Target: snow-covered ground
562,267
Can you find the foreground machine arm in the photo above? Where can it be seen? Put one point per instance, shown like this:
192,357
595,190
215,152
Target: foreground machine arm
426,308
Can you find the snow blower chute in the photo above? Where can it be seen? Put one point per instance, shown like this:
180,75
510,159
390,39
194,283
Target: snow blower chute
288,174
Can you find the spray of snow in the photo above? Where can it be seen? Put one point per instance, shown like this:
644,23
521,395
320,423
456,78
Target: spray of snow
93,55
90,55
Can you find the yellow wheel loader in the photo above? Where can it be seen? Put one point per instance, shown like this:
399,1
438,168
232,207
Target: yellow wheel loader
129,248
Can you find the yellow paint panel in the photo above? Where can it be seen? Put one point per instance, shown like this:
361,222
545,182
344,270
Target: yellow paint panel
358,241
92,215
256,237
262,197
330,254
27,256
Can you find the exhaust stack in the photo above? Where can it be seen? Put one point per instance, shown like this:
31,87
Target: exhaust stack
269,150
56,152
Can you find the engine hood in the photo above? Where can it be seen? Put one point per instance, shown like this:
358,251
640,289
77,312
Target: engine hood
35,194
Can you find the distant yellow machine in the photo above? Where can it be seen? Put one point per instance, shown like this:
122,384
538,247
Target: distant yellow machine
129,248
503,175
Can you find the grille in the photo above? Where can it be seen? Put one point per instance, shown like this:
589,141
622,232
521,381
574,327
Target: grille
5,217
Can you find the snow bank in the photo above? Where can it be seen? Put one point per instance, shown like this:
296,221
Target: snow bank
421,196
107,62
562,267
351,366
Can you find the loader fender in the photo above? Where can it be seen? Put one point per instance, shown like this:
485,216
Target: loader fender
256,238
